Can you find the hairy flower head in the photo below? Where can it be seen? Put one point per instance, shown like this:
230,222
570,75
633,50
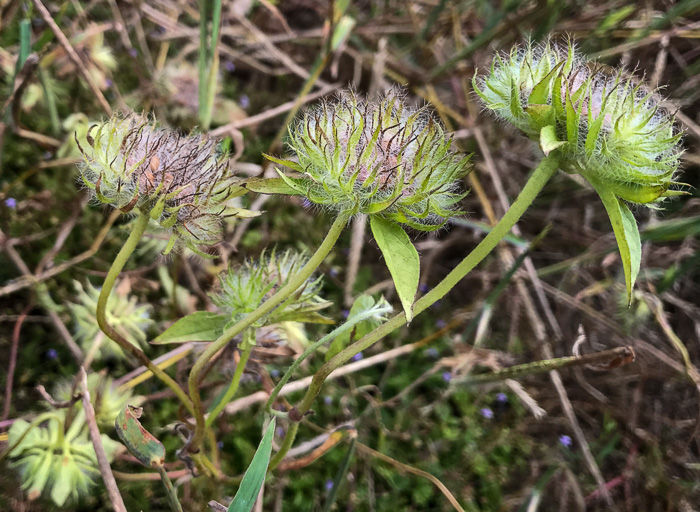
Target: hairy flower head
603,124
360,156
245,288
181,181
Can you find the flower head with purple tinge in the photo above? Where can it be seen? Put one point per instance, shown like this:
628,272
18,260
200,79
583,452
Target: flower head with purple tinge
446,376
328,400
11,202
383,158
565,441
52,354
502,398
182,182
329,484
358,356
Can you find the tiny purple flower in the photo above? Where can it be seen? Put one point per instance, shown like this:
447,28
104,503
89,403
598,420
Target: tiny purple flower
333,272
487,413
133,52
565,441
220,445
328,400
432,352
280,432
329,484
244,101
52,354
440,323
11,202
345,313
108,83
502,398
230,66
423,287
446,376
274,373
306,203
357,356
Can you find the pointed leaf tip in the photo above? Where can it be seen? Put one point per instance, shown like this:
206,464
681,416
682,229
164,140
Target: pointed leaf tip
401,258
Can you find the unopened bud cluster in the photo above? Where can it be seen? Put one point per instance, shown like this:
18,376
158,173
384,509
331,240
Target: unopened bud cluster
181,181
245,288
358,156
601,123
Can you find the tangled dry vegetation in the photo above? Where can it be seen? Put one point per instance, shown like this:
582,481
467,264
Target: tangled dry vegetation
587,437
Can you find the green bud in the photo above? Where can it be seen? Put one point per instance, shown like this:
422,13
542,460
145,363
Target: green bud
182,182
358,156
124,314
245,288
599,123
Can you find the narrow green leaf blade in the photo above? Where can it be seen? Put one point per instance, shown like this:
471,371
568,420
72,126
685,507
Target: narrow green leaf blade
270,186
254,477
198,326
401,259
626,233
147,449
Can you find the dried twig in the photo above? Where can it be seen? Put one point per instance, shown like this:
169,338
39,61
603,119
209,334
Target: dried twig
107,476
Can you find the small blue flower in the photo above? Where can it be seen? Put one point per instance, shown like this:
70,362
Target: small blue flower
446,376
357,357
487,413
440,323
345,313
423,288
52,354
280,432
565,441
108,83
432,352
244,101
333,272
133,52
220,445
502,398
329,484
11,202
274,373
328,400
230,66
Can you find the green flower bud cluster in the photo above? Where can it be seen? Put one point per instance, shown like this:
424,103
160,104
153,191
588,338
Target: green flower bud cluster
358,156
107,401
129,318
245,288
59,459
600,123
181,181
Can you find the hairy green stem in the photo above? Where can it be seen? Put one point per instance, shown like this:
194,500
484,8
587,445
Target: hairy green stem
352,322
283,294
169,490
117,265
286,445
541,175
233,386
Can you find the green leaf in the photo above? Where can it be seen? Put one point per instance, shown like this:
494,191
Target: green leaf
548,139
147,449
63,484
198,326
626,233
270,186
254,477
401,259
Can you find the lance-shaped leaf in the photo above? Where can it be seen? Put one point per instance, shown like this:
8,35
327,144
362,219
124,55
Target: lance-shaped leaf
198,326
254,477
626,233
548,139
147,449
401,259
271,186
